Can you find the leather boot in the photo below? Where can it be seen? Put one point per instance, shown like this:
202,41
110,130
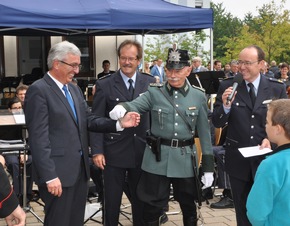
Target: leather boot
190,221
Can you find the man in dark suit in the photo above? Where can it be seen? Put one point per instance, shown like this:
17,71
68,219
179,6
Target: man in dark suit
120,154
246,117
57,118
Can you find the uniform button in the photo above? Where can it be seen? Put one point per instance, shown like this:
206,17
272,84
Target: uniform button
176,105
252,137
135,134
112,138
117,99
253,116
176,97
176,114
252,127
237,104
176,124
175,134
193,113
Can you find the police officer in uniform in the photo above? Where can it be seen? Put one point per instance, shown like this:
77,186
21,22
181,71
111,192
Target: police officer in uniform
120,155
246,118
177,109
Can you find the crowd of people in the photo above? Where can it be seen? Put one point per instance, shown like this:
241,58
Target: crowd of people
139,138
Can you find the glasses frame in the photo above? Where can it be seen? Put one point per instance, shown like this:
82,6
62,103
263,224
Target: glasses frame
247,63
73,66
129,59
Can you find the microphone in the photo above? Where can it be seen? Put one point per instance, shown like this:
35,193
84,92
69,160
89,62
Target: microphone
237,80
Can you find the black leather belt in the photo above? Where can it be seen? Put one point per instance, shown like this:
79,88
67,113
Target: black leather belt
175,143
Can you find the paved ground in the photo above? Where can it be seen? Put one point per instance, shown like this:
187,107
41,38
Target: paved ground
212,217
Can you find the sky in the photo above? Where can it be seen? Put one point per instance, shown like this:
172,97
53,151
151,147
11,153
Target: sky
239,8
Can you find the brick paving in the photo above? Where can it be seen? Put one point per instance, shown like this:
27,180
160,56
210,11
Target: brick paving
212,217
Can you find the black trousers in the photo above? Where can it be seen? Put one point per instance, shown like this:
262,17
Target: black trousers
116,181
240,192
69,208
154,191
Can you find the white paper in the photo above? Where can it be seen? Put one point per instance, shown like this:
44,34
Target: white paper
19,119
254,151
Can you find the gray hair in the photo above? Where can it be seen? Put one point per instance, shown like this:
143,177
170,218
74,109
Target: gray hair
60,50
196,59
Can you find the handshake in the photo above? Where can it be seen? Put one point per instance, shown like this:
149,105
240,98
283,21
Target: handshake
126,119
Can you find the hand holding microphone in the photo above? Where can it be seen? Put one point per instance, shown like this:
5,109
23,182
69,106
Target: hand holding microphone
236,81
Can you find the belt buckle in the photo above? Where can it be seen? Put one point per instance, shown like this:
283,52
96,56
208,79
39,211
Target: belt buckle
174,143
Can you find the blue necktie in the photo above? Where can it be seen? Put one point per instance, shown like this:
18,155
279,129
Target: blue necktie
70,100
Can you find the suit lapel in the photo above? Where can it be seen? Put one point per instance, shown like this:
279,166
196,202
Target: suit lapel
121,87
262,92
244,94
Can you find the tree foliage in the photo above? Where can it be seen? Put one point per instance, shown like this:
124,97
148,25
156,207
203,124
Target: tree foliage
270,29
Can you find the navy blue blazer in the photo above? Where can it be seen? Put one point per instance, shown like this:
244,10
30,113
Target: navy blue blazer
122,149
246,124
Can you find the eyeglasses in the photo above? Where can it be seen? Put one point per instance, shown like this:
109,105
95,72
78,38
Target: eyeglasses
247,63
130,59
74,66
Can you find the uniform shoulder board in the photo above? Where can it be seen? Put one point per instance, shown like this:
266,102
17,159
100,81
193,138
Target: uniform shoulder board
227,78
106,76
156,85
199,88
276,80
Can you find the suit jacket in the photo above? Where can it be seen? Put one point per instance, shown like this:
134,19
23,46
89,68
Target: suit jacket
246,124
155,72
123,149
57,141
8,199
201,68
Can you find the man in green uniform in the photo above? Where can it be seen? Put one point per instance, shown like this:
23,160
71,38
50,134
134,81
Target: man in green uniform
177,110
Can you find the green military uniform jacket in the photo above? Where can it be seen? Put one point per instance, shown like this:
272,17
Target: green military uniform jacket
167,124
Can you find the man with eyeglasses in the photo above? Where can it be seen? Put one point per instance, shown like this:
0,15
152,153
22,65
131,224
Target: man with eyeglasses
57,119
246,118
177,111
119,155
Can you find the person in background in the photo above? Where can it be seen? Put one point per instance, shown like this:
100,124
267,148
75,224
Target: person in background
154,62
146,68
217,65
170,156
234,69
15,162
106,66
158,70
245,115
119,155
57,119
227,68
266,72
197,67
9,208
20,92
268,201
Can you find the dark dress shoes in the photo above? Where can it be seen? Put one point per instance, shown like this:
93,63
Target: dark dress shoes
224,203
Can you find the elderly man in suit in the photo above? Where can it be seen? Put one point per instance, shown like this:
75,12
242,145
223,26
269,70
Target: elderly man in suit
197,67
120,154
57,119
246,118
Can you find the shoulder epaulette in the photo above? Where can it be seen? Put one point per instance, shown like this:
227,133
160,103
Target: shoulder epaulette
199,88
226,78
106,76
275,80
156,85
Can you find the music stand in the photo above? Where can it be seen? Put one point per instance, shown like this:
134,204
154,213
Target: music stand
8,118
208,80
